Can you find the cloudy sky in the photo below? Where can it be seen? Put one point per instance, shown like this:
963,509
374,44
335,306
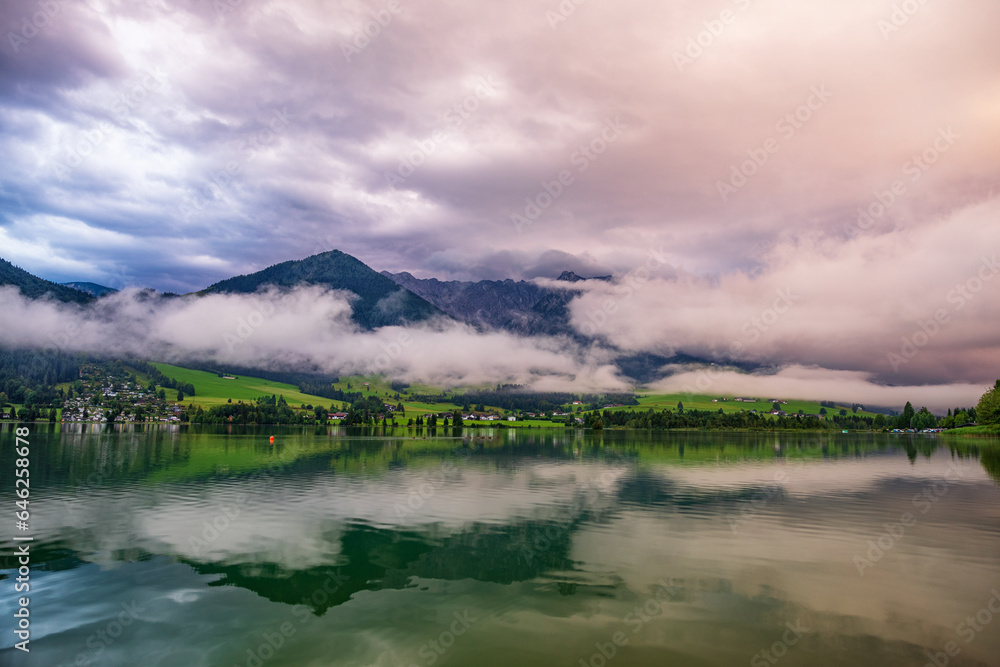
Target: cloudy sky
716,155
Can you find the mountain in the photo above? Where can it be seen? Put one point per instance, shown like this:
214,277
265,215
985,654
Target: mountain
381,302
645,367
520,307
93,289
570,276
527,309
34,287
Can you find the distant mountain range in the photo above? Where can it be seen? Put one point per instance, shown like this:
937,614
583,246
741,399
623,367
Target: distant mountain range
394,299
520,307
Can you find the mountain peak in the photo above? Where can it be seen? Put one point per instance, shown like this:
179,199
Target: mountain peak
572,277
381,302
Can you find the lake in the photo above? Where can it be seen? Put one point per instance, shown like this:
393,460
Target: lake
184,546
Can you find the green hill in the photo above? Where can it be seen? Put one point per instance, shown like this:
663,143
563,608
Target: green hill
211,390
92,289
34,287
380,302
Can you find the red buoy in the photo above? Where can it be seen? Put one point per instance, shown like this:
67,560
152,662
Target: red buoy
272,439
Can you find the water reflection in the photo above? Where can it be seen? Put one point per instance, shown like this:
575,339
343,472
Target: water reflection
554,540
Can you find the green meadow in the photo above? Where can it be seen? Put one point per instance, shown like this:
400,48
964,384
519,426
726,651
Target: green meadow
704,402
211,390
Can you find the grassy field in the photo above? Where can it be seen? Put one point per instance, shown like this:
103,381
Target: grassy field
704,402
212,390
975,431
375,385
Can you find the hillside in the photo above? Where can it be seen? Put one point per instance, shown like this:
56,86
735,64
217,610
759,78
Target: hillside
35,288
520,307
381,302
213,390
92,289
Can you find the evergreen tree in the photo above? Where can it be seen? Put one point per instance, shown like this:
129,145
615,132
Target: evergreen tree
906,418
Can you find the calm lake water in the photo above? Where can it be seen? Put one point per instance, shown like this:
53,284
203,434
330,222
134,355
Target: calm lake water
176,546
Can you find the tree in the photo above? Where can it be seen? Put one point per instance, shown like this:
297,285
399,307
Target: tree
923,419
988,409
879,422
457,419
680,406
822,411
907,417
180,395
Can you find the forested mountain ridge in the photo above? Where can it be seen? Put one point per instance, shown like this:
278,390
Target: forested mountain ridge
92,289
381,302
34,287
520,307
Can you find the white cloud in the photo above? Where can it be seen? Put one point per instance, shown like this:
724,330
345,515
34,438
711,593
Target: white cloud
307,327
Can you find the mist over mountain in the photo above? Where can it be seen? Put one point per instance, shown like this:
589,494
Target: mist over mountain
332,314
521,307
572,277
525,309
35,287
380,301
93,289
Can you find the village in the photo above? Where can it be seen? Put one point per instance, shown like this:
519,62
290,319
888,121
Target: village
100,395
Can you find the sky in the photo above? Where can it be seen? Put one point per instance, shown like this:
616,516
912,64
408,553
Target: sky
802,184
